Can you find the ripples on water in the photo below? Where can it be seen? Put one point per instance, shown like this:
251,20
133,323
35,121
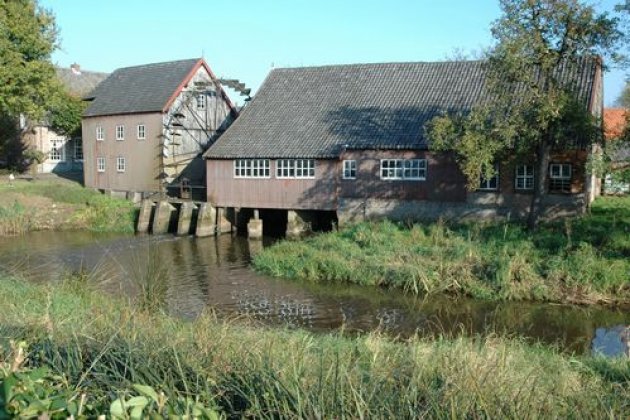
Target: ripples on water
215,273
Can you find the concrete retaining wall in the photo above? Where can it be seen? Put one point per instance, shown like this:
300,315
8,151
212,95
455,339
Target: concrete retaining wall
487,206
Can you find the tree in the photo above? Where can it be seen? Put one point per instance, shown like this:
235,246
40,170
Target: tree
28,37
531,109
624,98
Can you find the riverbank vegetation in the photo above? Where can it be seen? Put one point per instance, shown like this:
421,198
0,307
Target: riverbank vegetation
68,350
579,260
58,204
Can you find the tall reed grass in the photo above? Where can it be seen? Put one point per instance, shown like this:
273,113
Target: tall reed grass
583,260
105,356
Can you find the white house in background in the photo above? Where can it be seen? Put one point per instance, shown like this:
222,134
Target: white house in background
63,154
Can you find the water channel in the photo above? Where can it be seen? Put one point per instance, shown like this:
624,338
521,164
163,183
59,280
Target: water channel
215,273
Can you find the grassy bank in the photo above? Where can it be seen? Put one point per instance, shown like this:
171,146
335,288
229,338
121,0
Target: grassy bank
67,350
57,204
581,260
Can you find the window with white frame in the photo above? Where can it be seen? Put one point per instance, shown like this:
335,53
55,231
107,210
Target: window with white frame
201,102
121,164
56,153
490,184
78,149
295,168
349,169
100,164
404,169
251,168
524,177
100,133
560,177
141,132
120,132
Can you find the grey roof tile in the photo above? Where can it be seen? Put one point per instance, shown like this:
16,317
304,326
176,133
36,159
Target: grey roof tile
145,88
313,112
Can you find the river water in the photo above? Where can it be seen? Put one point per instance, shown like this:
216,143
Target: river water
215,273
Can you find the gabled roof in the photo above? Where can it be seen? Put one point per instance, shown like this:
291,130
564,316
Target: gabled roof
81,83
316,112
146,88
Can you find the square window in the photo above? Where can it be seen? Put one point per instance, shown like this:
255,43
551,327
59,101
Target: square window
349,169
141,132
121,165
78,149
120,132
100,164
490,184
524,179
57,152
201,102
560,177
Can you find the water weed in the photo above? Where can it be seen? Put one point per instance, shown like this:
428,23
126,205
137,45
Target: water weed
581,260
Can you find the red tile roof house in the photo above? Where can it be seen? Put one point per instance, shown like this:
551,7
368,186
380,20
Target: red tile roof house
349,141
147,127
614,124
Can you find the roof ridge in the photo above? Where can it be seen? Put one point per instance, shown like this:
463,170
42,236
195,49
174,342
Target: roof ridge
374,64
159,64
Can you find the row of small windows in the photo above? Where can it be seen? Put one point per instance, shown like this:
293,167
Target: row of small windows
141,132
399,169
559,178
121,164
285,168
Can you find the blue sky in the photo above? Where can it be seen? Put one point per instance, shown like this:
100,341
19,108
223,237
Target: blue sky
245,39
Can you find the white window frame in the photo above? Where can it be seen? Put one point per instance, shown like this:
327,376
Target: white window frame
252,168
486,184
100,164
141,132
121,164
78,146
295,168
201,102
349,169
120,132
524,177
560,182
403,169
57,152
100,133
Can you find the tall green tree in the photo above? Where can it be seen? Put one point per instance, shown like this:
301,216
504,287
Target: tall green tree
531,108
28,37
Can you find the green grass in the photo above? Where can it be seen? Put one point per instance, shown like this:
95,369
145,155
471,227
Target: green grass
581,260
77,207
69,350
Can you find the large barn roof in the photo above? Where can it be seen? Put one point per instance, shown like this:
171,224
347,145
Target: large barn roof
316,112
146,88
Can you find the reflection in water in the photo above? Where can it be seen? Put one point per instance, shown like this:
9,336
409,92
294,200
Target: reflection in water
209,272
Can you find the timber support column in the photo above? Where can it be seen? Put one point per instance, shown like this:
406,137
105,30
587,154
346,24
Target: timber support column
255,227
206,220
223,222
162,218
185,218
296,226
144,217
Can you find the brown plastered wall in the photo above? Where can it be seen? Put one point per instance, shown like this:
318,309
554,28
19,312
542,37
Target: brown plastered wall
299,194
142,156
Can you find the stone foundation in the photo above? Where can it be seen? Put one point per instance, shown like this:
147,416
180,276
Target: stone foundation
486,206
